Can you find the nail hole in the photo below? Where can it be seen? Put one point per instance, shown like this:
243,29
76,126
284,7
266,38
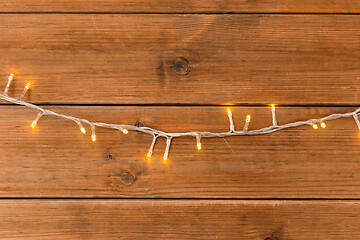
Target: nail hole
108,157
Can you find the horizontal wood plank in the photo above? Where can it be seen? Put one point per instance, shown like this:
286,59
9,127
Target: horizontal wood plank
177,219
183,59
56,160
193,6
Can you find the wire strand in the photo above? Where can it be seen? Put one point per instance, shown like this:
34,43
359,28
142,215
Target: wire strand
169,135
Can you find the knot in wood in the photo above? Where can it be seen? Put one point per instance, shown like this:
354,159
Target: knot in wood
182,66
270,238
139,124
128,178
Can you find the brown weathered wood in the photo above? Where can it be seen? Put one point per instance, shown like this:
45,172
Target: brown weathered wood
56,160
179,219
193,6
131,59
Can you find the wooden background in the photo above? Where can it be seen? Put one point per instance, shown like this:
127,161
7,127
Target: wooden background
173,65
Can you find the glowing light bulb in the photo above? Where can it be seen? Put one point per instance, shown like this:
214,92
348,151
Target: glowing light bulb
273,114
150,152
198,143
322,124
247,121
228,110
82,129
272,107
315,126
11,77
166,154
27,87
148,159
93,137
125,131
34,123
229,113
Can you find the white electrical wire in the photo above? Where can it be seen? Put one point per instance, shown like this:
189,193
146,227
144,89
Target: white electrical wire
169,135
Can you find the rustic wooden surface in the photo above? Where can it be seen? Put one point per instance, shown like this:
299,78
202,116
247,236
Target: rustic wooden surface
178,219
134,59
172,65
56,160
193,6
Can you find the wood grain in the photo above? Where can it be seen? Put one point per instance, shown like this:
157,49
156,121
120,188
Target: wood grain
137,59
193,6
174,219
56,160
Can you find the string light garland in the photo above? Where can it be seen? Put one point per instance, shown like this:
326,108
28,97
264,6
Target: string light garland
170,135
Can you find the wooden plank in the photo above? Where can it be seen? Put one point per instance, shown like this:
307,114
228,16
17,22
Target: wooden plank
56,160
179,219
193,6
132,59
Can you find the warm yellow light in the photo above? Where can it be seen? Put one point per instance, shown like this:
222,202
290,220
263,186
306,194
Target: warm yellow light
93,137
315,126
248,118
148,159
165,159
273,107
33,124
198,146
28,85
125,131
11,77
323,125
228,110
82,129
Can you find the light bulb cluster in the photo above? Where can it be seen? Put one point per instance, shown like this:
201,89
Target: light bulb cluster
170,135
316,126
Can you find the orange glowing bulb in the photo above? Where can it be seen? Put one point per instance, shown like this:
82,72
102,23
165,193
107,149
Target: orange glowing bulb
33,124
83,131
323,125
149,155
198,146
315,126
93,137
11,77
272,107
28,85
125,131
248,118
